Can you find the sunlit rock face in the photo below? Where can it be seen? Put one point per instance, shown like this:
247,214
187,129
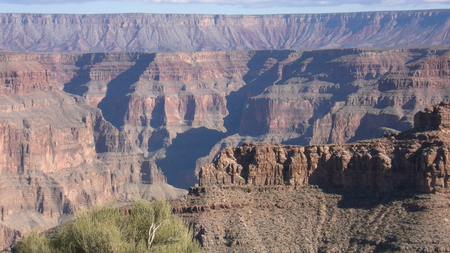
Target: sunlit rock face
57,154
188,33
250,191
102,123
83,128
180,109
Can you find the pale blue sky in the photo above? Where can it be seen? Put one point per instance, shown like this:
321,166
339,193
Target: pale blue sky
215,6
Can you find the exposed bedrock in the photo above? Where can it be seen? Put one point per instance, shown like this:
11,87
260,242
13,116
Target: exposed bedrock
222,99
59,155
181,32
366,196
415,159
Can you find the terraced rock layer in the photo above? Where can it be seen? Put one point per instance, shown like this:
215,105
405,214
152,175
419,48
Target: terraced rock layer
409,160
59,155
366,196
180,109
188,33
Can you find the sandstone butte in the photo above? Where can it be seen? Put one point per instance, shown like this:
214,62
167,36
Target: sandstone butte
388,194
188,33
79,129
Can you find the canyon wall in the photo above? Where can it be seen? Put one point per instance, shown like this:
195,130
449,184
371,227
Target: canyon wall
77,129
180,109
82,128
182,32
58,155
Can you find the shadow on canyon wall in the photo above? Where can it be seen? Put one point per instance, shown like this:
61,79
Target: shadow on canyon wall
78,84
115,104
179,164
255,83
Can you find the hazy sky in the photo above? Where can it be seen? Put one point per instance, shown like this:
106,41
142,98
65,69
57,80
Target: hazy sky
215,6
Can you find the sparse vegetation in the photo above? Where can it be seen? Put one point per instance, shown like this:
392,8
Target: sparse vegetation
144,227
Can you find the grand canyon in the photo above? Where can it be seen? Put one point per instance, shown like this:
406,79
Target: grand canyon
113,107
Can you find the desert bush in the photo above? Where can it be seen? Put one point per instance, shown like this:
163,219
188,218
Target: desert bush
34,243
118,230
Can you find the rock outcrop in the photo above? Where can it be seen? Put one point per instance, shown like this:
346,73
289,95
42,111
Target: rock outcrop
181,32
388,194
175,111
410,160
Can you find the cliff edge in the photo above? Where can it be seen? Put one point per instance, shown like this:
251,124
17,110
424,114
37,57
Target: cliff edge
382,195
415,159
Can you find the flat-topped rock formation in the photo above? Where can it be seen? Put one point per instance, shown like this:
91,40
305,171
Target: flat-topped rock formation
188,33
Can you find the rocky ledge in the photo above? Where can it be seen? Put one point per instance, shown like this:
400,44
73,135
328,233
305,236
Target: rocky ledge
368,196
415,159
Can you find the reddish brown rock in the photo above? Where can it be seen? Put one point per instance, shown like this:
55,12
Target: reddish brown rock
415,160
370,194
167,110
219,99
57,154
434,118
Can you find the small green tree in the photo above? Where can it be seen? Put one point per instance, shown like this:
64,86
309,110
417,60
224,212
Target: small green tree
143,227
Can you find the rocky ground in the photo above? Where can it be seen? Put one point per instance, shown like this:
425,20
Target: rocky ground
308,219
381,195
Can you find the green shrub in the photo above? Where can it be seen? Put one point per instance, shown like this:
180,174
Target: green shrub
34,243
116,230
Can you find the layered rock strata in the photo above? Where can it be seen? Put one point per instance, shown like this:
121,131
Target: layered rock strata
181,32
167,104
167,110
409,160
367,196
59,155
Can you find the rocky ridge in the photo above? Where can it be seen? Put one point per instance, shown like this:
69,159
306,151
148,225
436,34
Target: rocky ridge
409,160
188,33
167,102
366,196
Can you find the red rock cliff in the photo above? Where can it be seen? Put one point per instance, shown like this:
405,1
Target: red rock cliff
57,154
163,103
413,159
